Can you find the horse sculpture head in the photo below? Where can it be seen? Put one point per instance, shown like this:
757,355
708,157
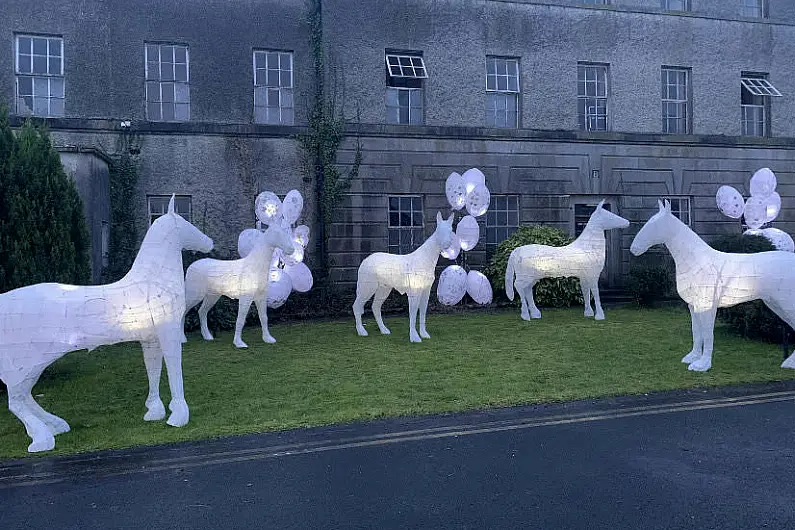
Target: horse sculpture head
656,231
607,220
188,236
444,230
280,235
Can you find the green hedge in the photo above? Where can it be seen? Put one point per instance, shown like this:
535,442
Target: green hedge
549,292
651,279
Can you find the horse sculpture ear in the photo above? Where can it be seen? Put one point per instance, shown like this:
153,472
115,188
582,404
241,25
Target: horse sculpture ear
450,219
439,218
660,205
667,206
601,203
171,204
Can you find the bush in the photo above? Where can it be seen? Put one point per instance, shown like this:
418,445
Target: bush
751,319
650,280
44,233
550,292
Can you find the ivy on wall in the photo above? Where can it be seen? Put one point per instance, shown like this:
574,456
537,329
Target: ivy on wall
321,142
123,175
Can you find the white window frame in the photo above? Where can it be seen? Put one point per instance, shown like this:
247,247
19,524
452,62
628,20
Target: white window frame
39,77
285,113
162,209
508,93
592,117
412,228
408,80
666,5
759,88
161,82
681,103
677,210
416,70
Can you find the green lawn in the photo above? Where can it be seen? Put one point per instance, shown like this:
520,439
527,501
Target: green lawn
322,372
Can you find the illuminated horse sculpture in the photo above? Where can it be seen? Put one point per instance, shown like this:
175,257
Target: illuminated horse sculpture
41,323
412,274
708,279
245,279
584,259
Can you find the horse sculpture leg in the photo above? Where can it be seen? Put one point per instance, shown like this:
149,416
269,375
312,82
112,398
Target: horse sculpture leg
706,325
172,352
698,340
262,311
207,304
244,304
594,289
19,403
153,358
426,295
785,309
585,287
531,303
378,300
414,303
363,293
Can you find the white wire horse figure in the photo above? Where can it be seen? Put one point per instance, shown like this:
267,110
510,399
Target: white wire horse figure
246,280
708,279
584,259
412,274
43,322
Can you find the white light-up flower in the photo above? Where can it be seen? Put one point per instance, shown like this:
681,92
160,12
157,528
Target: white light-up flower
468,232
456,191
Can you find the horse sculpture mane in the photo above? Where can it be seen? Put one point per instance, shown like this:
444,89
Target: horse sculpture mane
41,323
708,279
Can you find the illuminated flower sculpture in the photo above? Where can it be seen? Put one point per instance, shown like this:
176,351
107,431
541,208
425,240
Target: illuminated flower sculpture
41,323
762,207
584,259
708,279
247,279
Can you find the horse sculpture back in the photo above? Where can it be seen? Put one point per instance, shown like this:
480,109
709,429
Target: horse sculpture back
584,259
708,279
41,323
412,274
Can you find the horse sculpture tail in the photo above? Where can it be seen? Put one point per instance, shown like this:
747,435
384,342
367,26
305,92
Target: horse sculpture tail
509,276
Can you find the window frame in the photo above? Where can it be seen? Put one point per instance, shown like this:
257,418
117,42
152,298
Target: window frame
760,9
160,82
666,6
677,199
412,228
34,76
758,87
491,247
166,199
584,125
281,90
667,101
514,95
413,86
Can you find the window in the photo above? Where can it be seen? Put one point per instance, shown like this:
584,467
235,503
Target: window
676,5
404,88
596,2
755,94
582,214
158,205
502,92
592,96
39,76
273,87
680,207
502,220
753,8
675,101
167,82
406,225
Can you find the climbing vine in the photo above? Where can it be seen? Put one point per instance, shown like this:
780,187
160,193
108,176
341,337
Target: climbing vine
321,142
123,176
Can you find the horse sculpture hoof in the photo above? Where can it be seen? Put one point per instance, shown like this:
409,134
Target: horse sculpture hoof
58,426
385,331
47,444
535,315
589,312
269,339
415,338
156,412
700,366
240,344
207,337
691,357
599,317
179,416
425,335
362,332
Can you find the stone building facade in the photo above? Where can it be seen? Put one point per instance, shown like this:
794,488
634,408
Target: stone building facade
559,102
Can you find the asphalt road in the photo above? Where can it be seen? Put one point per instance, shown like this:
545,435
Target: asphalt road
722,459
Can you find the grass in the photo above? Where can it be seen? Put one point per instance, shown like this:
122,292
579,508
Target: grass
322,372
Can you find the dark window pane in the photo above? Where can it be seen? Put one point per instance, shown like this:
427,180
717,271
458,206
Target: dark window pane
153,111
181,72
25,85
56,107
168,112
167,91
394,203
416,219
25,65
180,54
39,65
153,70
55,65
39,46
394,219
405,219
416,203
56,87
405,203
25,45
40,87
182,111
152,91
285,79
513,218
167,71
40,107
491,67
